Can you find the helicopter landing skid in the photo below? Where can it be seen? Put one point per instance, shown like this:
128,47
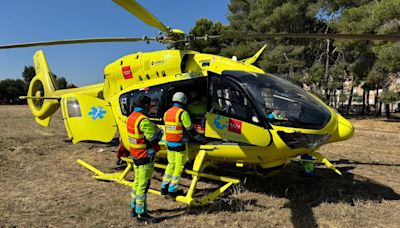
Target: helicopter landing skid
199,163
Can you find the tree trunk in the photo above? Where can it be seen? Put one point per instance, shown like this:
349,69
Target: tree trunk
386,84
350,98
368,105
327,79
334,99
387,110
363,103
328,96
377,106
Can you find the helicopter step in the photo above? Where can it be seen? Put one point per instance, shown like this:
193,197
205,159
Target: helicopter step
199,164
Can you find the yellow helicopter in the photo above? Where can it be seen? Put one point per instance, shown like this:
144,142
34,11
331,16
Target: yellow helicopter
253,119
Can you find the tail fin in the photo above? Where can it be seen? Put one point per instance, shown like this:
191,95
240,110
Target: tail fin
252,59
41,99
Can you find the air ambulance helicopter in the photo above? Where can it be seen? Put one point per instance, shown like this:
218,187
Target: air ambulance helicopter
239,96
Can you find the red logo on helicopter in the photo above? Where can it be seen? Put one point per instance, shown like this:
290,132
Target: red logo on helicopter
126,71
235,126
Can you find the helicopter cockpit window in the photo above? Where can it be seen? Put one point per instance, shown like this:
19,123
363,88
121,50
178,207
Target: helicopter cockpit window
230,100
127,101
281,102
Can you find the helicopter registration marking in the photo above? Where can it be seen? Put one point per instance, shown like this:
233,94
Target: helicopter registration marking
126,71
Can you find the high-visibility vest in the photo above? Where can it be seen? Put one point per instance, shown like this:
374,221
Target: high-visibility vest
173,124
137,141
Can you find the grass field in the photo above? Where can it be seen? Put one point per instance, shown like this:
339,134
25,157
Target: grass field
42,186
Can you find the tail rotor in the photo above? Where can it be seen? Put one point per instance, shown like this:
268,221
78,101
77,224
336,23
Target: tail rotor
41,94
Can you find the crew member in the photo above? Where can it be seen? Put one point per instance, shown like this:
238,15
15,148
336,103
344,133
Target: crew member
307,162
277,115
143,137
177,120
198,107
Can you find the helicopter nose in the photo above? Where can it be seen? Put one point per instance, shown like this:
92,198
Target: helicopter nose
345,128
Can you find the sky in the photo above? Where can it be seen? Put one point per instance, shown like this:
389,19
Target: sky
83,64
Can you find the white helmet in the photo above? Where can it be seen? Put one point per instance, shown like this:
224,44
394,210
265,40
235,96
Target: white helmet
179,97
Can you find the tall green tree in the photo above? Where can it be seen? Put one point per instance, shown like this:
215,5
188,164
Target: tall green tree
11,89
291,57
205,27
374,17
28,74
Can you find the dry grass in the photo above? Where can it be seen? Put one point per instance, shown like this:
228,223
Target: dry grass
41,184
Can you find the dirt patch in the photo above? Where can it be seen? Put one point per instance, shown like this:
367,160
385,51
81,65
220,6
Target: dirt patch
41,184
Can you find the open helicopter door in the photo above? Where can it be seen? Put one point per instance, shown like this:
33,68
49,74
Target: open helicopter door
232,116
87,118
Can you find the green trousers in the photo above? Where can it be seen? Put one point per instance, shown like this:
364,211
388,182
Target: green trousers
173,172
140,187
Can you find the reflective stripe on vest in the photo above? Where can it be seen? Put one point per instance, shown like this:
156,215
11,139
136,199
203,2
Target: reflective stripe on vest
137,142
173,124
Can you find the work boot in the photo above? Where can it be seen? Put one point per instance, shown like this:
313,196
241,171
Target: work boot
133,213
178,192
145,218
164,191
118,161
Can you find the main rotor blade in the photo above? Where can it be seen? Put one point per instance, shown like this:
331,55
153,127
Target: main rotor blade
136,9
385,37
76,41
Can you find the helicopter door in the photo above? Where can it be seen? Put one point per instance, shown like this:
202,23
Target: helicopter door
87,118
232,116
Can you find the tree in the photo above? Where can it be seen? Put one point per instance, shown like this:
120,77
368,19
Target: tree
11,89
28,74
61,83
387,98
322,65
372,61
290,57
205,27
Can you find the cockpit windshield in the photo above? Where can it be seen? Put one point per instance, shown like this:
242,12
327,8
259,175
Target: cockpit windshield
281,102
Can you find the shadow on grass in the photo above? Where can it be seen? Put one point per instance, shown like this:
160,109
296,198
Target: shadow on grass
393,117
304,193
350,162
114,142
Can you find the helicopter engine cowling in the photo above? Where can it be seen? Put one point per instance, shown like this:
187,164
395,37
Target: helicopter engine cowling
41,100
